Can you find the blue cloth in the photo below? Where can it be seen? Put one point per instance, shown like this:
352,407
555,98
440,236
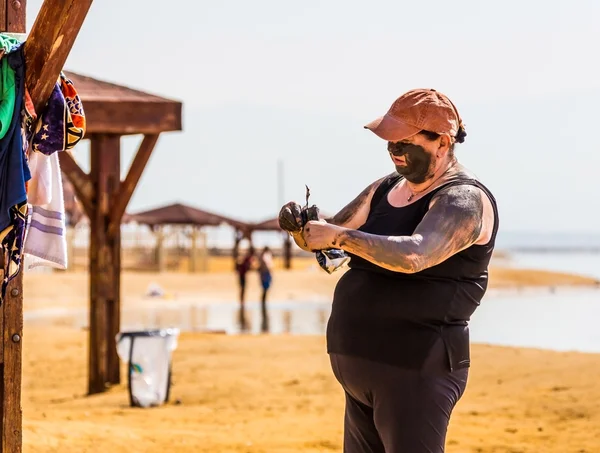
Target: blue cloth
14,169
266,279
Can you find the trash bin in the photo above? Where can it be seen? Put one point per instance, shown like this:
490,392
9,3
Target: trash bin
148,353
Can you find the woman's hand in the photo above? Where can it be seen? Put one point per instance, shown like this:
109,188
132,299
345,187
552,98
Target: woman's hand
290,217
299,240
320,235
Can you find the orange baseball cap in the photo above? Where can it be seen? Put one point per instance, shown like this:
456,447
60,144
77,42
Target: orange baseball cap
415,111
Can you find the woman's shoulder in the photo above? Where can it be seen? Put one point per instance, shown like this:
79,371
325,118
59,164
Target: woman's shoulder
460,178
462,173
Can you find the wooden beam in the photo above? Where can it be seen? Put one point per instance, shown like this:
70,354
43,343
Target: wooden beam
110,147
3,8
122,197
81,181
11,369
131,117
16,13
49,43
99,287
104,266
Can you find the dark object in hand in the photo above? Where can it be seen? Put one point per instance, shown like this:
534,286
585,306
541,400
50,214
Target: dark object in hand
293,217
290,217
330,260
309,213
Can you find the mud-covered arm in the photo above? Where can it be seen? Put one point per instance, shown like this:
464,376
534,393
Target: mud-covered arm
452,223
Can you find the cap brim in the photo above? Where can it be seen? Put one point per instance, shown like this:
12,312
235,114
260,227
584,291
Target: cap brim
392,129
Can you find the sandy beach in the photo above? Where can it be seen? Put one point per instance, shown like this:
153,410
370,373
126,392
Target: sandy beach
263,394
171,186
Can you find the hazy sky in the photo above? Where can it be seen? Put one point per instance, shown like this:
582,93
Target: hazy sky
268,80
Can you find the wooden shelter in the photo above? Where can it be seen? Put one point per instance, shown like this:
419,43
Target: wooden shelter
178,214
181,215
111,111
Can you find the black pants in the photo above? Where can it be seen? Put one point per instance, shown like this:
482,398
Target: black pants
395,410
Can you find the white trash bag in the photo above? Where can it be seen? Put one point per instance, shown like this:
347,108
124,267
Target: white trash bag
148,354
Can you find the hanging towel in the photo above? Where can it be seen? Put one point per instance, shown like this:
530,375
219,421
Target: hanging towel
39,192
46,236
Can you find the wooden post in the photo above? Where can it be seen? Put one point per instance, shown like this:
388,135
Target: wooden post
12,19
204,252
15,15
160,248
194,250
113,308
105,266
47,48
11,320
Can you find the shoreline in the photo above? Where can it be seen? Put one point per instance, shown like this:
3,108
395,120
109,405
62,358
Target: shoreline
71,289
208,302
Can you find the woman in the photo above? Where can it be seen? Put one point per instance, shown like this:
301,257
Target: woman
420,241
265,265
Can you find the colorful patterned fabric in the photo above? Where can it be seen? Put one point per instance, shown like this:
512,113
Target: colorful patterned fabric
28,116
62,124
12,245
14,170
14,173
60,127
77,124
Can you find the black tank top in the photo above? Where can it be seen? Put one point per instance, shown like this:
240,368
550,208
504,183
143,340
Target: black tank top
396,318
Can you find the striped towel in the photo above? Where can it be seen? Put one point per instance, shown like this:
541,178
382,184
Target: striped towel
46,240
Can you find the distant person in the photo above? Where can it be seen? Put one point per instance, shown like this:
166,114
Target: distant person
420,242
265,267
243,267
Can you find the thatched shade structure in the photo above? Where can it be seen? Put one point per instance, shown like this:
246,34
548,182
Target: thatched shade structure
179,214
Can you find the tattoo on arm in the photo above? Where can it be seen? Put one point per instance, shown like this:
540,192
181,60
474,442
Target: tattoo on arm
355,213
453,223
